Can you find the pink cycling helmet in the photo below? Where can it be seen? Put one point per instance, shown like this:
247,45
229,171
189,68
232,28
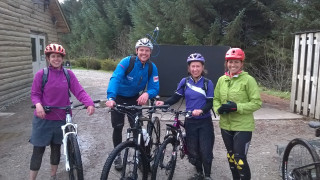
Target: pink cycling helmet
55,48
235,54
195,57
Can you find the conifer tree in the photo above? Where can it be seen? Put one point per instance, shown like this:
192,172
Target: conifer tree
214,36
190,37
233,31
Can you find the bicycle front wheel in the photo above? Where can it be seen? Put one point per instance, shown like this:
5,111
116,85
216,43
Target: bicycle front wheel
298,161
165,161
132,159
153,129
75,162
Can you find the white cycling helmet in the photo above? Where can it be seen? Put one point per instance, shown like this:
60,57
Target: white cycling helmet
144,42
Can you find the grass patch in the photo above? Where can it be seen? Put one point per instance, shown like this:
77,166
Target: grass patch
281,94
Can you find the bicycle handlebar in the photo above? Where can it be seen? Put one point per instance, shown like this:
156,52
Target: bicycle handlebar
135,107
78,105
184,113
47,108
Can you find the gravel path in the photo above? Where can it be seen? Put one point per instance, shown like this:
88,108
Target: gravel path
96,141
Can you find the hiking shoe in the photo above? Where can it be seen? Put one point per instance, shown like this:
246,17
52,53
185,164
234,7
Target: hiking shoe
118,163
197,176
207,178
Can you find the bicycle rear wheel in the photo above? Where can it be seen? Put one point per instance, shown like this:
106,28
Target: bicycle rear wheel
165,161
132,157
75,162
297,157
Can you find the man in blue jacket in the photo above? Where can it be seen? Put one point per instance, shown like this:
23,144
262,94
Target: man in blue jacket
129,88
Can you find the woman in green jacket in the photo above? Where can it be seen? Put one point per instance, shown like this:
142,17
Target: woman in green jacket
236,97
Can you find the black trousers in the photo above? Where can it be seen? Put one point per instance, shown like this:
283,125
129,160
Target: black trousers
237,144
117,119
200,141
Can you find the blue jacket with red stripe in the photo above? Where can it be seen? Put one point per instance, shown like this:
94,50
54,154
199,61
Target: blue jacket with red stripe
135,82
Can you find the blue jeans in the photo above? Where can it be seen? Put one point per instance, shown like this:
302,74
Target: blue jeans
200,141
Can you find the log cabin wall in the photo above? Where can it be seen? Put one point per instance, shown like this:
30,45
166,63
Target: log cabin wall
19,21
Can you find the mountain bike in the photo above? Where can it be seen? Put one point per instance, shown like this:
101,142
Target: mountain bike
300,159
174,141
138,150
73,162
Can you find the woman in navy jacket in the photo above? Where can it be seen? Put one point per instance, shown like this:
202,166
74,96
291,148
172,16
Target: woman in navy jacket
199,128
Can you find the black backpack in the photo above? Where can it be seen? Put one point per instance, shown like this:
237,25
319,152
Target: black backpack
45,78
131,66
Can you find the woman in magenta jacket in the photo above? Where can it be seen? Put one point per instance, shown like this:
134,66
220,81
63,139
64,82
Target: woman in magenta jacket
46,126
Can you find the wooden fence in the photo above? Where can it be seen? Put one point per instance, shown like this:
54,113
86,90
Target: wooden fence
305,90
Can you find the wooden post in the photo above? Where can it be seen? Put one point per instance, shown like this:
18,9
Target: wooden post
295,74
316,65
307,77
301,72
315,92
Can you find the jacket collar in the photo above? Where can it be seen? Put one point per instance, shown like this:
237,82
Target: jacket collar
234,75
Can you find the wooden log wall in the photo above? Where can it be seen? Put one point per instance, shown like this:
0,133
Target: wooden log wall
305,91
18,21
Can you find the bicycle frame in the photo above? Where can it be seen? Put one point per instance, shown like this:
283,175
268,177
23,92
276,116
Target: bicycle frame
176,130
137,129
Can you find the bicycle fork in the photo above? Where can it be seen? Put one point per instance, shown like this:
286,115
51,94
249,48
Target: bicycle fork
132,132
65,138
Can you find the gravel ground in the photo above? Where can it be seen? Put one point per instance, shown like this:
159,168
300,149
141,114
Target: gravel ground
96,141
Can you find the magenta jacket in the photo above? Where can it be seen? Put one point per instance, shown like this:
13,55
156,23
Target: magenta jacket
55,92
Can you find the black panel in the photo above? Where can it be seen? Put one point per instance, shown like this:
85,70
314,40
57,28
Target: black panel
172,64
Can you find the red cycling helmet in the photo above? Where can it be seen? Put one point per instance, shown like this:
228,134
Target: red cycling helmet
55,48
235,54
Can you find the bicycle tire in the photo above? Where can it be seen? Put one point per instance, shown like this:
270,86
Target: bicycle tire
299,153
75,162
162,168
153,129
125,149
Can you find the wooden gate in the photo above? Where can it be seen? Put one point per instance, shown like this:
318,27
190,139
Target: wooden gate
305,90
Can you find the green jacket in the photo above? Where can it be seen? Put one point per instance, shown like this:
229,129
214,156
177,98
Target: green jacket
244,91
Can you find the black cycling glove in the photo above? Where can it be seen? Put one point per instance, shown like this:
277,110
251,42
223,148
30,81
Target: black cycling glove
226,108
